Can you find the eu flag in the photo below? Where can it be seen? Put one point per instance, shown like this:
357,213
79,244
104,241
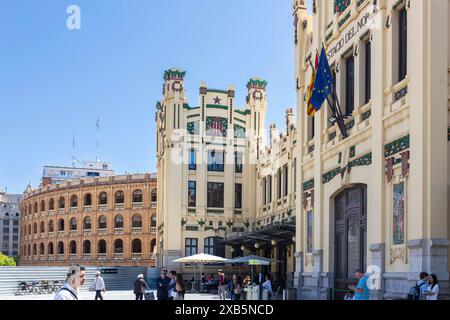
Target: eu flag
323,83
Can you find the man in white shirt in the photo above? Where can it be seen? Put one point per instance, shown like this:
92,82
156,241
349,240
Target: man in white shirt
99,286
76,276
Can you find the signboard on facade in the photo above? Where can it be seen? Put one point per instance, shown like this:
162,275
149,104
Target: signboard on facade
109,271
345,40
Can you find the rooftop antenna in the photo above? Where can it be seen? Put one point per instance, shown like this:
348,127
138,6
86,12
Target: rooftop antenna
73,148
98,139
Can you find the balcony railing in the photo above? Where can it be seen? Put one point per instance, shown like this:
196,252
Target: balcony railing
73,233
136,256
61,233
73,209
137,205
118,255
73,256
51,212
51,258
87,208
135,230
61,211
35,236
152,256
101,256
153,204
87,256
118,230
51,234
119,206
60,257
153,229
102,231
42,235
102,207
87,232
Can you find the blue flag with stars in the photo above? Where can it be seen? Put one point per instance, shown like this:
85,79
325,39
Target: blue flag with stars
323,83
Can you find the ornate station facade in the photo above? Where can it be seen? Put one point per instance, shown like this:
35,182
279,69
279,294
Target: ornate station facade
377,200
105,221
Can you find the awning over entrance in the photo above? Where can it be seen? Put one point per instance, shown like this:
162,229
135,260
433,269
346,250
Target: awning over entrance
281,232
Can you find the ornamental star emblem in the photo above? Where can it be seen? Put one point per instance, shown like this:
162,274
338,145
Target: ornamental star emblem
217,100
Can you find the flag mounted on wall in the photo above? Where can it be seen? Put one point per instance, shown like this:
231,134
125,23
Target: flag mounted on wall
323,84
311,111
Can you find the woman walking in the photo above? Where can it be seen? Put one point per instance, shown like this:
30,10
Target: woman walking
139,287
180,287
432,291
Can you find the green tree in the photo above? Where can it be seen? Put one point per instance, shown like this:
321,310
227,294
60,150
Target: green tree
6,261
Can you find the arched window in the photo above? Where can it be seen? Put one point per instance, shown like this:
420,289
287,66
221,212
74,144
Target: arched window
137,196
51,228
136,246
35,228
42,228
137,221
61,225
51,204
34,249
72,247
102,246
29,250
119,197
73,224
154,195
153,220
87,223
118,221
118,246
24,231
62,203
152,246
7,214
102,224
88,199
35,207
73,201
29,229
103,198
86,247
50,248
41,249
42,206
29,209
60,247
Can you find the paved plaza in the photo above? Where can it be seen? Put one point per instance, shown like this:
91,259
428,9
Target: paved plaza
109,295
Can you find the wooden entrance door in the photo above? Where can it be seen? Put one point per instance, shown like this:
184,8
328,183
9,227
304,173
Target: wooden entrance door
350,237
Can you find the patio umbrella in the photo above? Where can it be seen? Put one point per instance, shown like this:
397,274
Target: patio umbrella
201,258
251,261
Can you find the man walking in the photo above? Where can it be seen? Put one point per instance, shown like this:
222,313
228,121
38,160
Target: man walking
172,285
162,285
76,276
222,285
99,286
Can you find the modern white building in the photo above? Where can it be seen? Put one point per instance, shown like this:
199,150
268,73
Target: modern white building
88,169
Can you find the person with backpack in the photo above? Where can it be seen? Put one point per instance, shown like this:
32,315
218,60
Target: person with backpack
416,292
432,291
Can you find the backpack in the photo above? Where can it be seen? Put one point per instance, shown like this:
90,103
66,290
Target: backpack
414,292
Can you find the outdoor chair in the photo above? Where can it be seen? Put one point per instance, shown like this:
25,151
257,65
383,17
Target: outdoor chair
274,295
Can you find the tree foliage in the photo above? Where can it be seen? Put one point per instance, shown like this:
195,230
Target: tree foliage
6,261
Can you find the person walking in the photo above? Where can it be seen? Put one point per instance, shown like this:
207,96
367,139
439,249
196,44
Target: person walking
246,284
432,291
362,291
180,287
268,286
222,290
162,285
99,286
139,287
76,277
173,282
237,287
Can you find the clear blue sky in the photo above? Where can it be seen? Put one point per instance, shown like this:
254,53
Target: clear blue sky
54,81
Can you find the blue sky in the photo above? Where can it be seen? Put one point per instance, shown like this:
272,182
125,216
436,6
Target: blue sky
54,81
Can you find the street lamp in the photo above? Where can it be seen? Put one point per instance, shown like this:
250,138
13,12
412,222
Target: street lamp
232,250
243,248
274,242
257,245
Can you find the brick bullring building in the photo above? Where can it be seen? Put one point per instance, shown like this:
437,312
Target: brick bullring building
107,221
